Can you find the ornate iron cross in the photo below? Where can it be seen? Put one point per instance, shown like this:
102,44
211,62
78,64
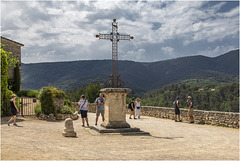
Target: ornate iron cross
114,36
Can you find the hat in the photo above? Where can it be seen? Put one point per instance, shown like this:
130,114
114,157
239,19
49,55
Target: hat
177,97
82,96
189,97
13,95
138,99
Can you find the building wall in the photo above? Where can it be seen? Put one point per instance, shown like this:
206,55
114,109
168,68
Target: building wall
15,48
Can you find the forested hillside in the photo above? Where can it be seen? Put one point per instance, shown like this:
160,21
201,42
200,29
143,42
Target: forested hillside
140,77
219,97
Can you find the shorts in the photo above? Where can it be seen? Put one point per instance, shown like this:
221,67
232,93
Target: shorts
83,113
100,111
190,112
177,111
14,111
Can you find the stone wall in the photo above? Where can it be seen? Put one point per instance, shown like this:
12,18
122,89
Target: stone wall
15,48
227,119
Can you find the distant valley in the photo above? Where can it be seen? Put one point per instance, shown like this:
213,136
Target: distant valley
140,77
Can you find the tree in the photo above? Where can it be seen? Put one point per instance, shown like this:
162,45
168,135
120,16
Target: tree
92,91
5,92
17,79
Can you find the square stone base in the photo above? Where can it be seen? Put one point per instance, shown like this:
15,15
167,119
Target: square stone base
120,131
115,124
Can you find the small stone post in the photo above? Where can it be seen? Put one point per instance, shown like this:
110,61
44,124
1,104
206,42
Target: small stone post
68,129
115,107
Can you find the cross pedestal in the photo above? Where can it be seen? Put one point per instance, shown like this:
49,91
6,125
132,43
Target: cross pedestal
115,107
115,114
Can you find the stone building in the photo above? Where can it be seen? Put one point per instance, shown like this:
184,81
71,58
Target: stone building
15,48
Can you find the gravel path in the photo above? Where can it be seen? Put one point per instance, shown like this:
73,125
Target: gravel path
43,140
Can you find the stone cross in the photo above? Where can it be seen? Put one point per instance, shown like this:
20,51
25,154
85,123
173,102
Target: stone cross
114,36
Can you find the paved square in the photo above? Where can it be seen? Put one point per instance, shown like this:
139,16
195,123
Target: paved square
169,140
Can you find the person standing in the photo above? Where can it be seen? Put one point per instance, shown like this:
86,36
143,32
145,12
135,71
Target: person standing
190,109
137,108
84,106
100,101
132,106
176,109
14,110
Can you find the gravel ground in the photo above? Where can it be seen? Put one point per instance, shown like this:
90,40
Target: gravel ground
42,140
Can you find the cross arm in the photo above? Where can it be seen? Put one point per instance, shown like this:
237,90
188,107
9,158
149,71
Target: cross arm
104,36
125,37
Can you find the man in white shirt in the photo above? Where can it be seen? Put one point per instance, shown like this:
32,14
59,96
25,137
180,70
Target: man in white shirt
84,105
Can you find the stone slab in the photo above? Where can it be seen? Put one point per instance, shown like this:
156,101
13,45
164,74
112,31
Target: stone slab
98,130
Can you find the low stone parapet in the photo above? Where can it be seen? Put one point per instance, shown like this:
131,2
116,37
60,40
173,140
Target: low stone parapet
227,119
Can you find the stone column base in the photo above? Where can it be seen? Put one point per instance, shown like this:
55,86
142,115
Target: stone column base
115,124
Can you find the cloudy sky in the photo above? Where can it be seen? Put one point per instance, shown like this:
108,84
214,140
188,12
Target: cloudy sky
65,30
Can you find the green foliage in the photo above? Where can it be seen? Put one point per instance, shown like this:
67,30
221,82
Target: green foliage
91,92
5,92
28,93
17,79
46,99
57,93
38,110
46,96
224,98
10,84
67,102
66,110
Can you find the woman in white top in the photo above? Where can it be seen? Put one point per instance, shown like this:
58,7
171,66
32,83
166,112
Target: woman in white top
84,105
137,108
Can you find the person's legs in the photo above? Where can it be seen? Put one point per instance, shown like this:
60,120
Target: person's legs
102,114
179,117
139,110
87,121
97,115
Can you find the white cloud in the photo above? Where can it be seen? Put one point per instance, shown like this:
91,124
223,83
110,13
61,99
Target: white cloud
73,24
217,51
134,55
168,50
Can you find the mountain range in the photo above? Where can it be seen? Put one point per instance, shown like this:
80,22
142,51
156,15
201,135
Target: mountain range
139,76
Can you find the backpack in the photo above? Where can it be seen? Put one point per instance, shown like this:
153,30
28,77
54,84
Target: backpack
130,106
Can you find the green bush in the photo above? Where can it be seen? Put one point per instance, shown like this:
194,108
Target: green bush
17,80
46,99
67,102
46,96
38,110
28,93
66,110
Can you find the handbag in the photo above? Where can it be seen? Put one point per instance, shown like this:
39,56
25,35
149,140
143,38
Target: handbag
79,111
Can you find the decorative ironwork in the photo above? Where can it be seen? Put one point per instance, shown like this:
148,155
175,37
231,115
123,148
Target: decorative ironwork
114,36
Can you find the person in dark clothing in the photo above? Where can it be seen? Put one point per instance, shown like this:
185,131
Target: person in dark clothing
176,109
132,107
14,110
